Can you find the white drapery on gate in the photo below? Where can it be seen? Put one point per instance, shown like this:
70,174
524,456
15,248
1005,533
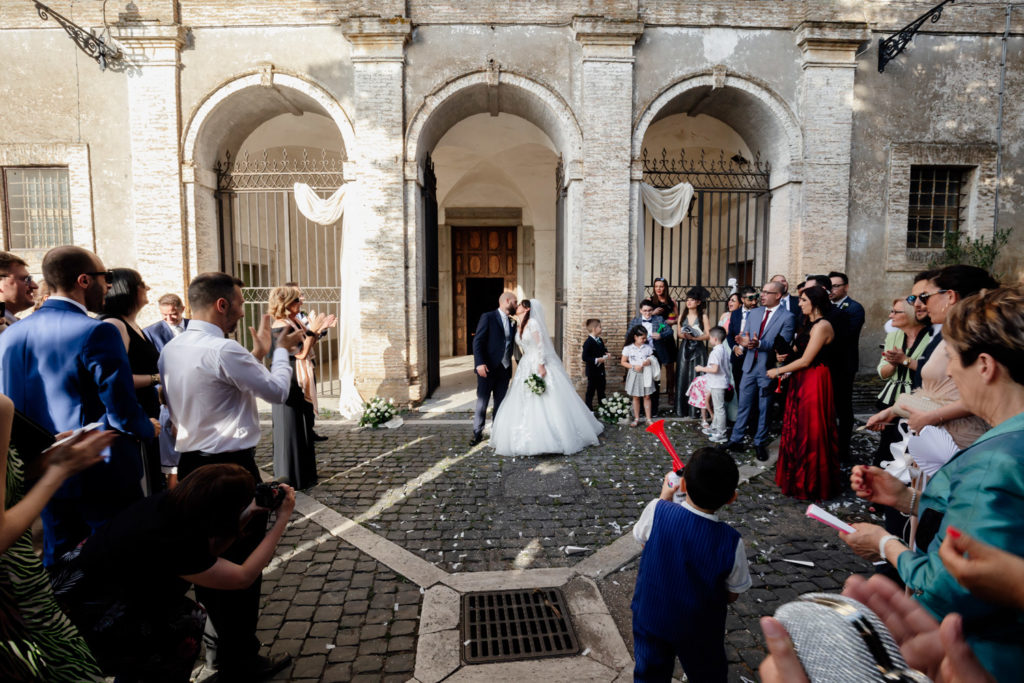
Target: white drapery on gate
667,207
344,204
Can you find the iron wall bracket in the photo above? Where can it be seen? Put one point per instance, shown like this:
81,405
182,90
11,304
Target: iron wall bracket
890,48
87,41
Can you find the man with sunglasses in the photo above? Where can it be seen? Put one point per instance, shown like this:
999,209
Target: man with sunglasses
64,370
17,288
840,296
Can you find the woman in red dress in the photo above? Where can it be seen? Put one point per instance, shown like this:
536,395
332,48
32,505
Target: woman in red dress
808,464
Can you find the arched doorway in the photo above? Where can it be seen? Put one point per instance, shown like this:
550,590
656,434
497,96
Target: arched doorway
247,144
722,239
486,209
738,144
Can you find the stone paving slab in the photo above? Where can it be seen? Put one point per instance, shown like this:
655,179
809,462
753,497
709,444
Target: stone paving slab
339,613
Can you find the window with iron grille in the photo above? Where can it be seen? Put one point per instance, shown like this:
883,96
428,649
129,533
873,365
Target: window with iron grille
936,205
38,206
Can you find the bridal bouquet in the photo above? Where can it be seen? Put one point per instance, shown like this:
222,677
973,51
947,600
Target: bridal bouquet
536,384
377,411
614,409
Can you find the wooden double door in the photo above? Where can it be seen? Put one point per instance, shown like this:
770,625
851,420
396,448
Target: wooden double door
483,266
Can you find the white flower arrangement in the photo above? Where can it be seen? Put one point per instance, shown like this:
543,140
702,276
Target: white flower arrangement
536,384
377,411
614,408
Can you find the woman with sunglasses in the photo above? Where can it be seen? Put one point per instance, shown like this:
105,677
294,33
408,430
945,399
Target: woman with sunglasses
949,286
904,344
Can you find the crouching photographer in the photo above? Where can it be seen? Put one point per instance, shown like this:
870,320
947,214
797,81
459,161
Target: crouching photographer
125,587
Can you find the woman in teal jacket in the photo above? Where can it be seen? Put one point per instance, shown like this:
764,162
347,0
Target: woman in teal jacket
980,491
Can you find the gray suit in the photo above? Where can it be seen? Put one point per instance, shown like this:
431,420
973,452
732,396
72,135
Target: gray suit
755,384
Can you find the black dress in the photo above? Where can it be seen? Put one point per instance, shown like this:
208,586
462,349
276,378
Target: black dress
294,453
142,359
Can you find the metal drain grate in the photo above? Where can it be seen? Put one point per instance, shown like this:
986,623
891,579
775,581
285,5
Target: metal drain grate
501,626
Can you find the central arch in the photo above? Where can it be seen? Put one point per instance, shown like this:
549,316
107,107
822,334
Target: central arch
765,123
479,93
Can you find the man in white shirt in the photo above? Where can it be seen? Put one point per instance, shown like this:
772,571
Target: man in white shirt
17,288
211,384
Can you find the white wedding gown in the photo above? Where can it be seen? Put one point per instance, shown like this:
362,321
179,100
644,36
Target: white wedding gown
556,421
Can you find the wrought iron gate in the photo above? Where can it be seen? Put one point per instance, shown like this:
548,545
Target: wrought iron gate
561,191
266,242
724,234
432,297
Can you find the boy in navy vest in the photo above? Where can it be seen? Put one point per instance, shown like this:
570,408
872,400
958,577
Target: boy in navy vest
692,567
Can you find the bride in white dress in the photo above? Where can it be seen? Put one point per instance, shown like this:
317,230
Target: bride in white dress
557,421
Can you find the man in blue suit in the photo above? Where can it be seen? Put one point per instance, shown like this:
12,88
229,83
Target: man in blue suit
172,324
764,324
65,370
492,356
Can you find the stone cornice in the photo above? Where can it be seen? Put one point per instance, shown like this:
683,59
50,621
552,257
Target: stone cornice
140,35
830,43
606,40
377,40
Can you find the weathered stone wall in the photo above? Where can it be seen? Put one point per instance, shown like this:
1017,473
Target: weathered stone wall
935,104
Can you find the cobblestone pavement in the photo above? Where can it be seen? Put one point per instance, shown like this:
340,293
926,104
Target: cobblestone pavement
345,616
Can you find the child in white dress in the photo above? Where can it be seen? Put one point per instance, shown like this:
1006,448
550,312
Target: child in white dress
644,371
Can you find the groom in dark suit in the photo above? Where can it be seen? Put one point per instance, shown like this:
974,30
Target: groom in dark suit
492,356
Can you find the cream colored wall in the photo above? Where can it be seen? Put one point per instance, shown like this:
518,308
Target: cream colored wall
504,161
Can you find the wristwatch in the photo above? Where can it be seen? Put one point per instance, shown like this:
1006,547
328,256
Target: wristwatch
906,362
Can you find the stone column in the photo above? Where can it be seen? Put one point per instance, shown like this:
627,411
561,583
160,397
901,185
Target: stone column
378,64
598,257
152,52
826,108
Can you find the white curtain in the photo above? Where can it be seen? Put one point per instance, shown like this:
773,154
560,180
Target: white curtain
344,204
322,211
667,206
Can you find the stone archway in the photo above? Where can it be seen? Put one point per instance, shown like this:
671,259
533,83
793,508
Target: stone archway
222,121
480,92
766,123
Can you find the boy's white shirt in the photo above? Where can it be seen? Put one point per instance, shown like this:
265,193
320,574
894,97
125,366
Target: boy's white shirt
738,580
719,379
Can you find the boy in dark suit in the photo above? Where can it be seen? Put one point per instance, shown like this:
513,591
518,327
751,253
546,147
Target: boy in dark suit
594,357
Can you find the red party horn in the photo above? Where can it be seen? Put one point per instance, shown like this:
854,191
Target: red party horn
658,429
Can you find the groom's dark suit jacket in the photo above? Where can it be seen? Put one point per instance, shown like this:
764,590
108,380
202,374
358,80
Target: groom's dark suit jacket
489,344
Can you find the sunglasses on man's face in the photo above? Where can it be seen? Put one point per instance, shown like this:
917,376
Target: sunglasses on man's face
750,296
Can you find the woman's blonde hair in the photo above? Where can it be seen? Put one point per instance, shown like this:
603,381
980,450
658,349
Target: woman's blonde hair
280,299
992,322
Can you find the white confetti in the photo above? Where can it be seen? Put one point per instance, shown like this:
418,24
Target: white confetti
802,563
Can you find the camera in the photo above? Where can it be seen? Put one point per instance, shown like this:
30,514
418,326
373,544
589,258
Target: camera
270,495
